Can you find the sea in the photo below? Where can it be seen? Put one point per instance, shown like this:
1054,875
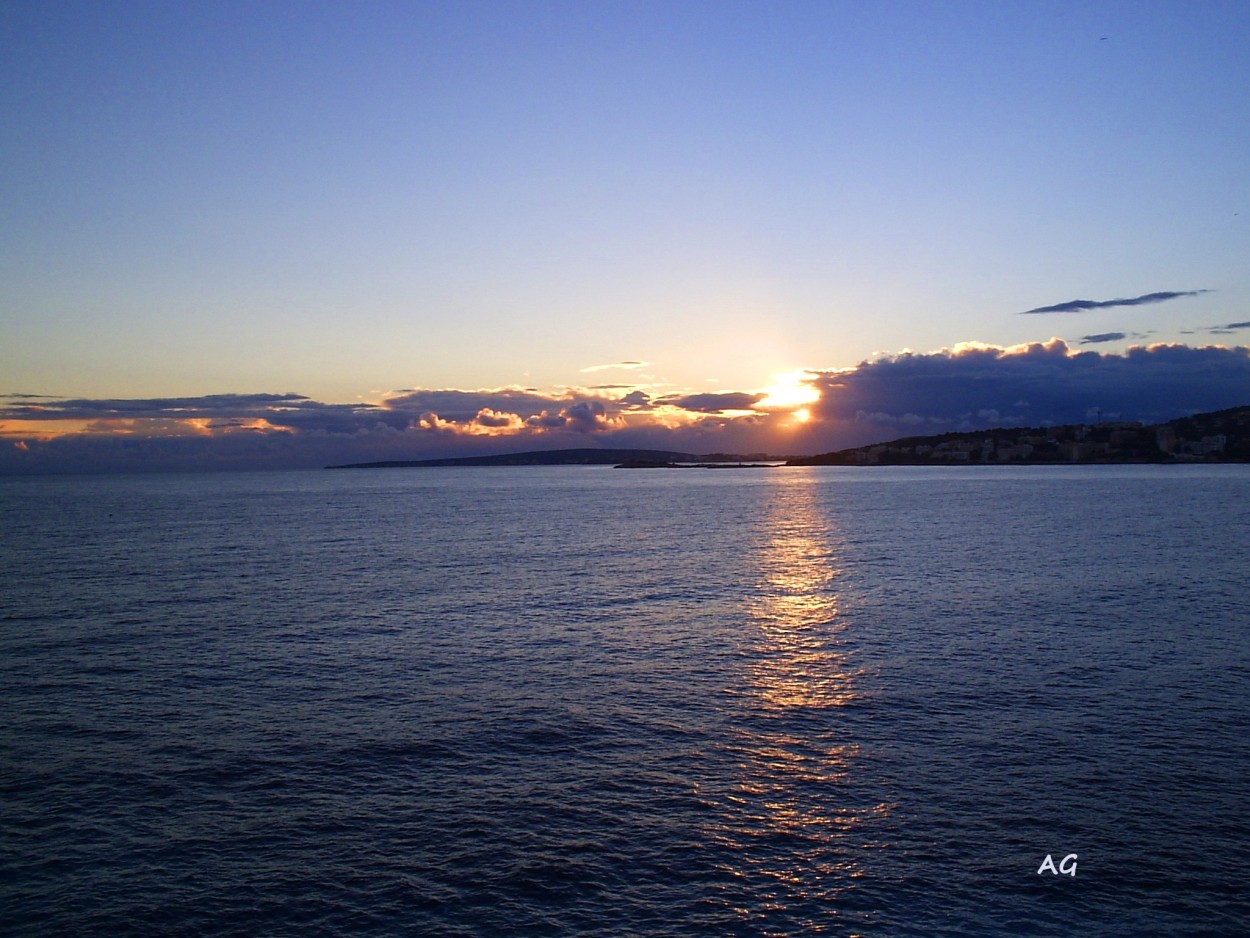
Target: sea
581,701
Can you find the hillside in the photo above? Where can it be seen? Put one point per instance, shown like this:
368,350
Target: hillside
1221,436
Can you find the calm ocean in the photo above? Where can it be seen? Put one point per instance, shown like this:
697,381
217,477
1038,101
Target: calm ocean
580,701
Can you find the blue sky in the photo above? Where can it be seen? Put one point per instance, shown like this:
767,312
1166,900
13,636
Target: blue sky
356,203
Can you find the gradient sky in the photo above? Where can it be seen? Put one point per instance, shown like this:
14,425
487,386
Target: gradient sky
359,203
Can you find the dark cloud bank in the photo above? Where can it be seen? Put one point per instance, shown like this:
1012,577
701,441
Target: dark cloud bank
1038,384
966,388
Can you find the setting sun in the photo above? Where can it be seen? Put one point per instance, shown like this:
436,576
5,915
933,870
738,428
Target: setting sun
789,391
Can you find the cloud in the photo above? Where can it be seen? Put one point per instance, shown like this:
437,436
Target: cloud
715,402
1102,337
207,406
1080,306
495,420
546,420
624,365
1229,328
587,417
1033,385
460,406
636,400
289,411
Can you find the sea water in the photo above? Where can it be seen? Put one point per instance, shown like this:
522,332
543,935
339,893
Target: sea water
581,701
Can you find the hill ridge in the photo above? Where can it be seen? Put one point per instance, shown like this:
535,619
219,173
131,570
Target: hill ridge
1217,436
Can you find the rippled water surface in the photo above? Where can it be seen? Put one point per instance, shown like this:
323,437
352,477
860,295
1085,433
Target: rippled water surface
579,701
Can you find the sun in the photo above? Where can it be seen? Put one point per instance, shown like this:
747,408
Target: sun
790,392
802,415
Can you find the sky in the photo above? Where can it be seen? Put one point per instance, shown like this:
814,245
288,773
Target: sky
293,234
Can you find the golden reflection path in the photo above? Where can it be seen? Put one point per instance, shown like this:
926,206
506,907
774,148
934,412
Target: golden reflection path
790,819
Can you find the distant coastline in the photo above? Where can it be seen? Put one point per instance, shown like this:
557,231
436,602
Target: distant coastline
627,458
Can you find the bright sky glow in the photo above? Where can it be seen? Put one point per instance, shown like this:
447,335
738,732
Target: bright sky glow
357,202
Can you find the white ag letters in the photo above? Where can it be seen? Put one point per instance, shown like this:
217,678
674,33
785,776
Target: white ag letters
1064,867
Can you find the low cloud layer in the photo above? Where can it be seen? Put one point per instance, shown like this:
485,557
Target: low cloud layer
1081,306
969,387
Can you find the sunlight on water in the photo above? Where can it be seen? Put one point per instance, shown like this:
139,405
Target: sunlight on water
788,822
796,608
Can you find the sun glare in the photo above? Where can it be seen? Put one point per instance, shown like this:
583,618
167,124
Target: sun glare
790,392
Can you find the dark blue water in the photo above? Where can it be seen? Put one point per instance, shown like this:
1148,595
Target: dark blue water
580,701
